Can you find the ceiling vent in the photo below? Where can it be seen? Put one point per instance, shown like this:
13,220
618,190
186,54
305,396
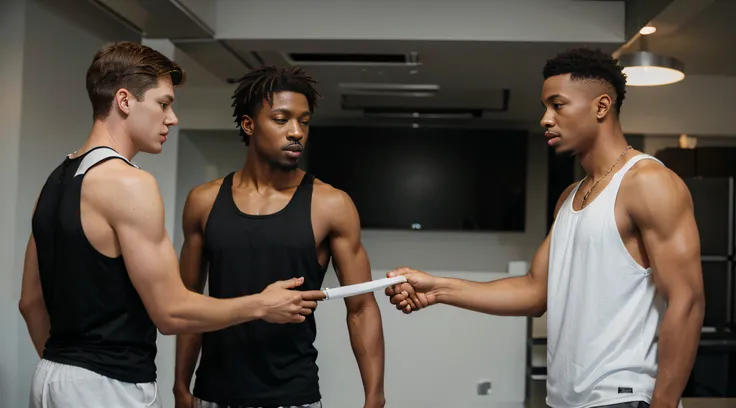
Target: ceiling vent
352,59
422,101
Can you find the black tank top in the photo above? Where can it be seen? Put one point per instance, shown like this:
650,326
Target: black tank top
98,321
259,363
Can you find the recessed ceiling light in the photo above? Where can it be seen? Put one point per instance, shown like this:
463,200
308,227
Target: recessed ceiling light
647,30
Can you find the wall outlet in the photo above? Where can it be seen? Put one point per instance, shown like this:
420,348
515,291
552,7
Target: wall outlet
484,387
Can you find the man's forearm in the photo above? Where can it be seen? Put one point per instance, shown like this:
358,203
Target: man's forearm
366,339
188,347
195,313
679,335
37,321
517,296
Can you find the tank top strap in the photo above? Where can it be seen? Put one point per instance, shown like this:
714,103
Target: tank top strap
629,164
619,176
302,200
224,199
97,156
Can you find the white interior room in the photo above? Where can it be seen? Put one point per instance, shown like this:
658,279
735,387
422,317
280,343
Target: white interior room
486,54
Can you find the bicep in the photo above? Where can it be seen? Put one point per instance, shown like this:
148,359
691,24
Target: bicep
349,256
663,214
138,221
31,291
539,268
192,263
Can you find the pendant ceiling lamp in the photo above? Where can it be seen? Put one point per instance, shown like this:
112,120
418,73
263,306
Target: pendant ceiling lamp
644,68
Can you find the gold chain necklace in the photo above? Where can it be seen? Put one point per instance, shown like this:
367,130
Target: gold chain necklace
587,194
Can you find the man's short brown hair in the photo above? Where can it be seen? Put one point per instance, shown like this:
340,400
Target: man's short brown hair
127,65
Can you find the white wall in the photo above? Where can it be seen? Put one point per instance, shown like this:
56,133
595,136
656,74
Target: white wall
435,358
12,32
699,105
55,120
496,349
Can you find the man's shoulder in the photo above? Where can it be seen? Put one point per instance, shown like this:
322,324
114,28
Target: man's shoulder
120,179
649,176
328,196
120,191
202,197
651,190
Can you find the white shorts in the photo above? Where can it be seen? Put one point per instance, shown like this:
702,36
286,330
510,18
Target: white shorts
64,386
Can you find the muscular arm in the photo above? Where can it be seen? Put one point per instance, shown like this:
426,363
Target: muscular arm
363,316
662,210
136,213
32,305
194,275
517,296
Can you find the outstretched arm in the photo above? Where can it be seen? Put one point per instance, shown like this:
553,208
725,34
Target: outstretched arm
32,305
517,296
136,213
363,316
662,209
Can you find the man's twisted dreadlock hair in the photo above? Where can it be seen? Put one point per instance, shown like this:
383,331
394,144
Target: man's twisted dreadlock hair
261,83
586,63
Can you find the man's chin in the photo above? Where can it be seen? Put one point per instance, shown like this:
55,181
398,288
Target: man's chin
155,149
562,149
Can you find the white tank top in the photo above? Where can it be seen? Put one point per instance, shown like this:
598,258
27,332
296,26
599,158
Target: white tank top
603,310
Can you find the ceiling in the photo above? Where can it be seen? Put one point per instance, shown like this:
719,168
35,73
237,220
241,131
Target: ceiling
451,79
490,80
701,36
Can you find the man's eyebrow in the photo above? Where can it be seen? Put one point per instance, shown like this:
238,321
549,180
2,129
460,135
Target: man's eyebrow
289,112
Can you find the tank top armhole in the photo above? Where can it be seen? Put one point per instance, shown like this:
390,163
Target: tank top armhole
618,179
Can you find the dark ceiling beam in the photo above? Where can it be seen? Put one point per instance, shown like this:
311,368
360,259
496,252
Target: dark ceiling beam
666,15
640,12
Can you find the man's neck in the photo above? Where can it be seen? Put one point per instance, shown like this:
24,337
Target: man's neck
607,148
266,176
107,134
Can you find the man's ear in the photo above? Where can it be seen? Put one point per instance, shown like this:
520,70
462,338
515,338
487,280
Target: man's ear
123,100
247,124
604,104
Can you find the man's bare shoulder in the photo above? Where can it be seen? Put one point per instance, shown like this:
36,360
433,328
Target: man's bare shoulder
206,193
119,179
330,198
651,190
201,198
649,178
120,189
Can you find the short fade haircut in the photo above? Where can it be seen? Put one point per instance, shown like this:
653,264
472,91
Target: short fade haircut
127,65
586,63
260,84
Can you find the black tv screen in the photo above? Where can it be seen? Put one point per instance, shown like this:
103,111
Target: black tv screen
426,178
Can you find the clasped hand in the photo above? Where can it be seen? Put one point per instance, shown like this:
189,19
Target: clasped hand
418,292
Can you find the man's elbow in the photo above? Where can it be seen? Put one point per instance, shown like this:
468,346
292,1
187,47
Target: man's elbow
362,306
27,305
539,311
169,326
690,304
